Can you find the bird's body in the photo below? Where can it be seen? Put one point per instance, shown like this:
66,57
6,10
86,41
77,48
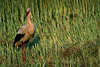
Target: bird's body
25,33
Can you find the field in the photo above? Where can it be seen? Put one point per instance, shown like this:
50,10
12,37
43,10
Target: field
67,33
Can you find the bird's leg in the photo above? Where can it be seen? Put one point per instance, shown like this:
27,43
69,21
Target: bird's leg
23,52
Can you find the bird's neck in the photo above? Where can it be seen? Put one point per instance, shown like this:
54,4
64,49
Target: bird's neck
28,20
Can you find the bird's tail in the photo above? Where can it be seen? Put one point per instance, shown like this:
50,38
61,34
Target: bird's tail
17,44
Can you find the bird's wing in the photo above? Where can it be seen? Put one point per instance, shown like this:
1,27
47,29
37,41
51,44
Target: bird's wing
21,30
18,38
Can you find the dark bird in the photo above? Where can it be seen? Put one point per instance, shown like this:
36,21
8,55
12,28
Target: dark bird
25,33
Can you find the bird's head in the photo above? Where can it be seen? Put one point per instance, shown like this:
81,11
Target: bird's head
28,11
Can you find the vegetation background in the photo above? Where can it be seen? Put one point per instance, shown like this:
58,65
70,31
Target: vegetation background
67,33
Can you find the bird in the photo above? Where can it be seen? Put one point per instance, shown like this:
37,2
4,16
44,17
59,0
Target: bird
25,33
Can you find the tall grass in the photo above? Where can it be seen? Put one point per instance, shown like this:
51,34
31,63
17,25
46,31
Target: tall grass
66,33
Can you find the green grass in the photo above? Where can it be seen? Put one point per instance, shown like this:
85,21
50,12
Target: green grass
67,33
